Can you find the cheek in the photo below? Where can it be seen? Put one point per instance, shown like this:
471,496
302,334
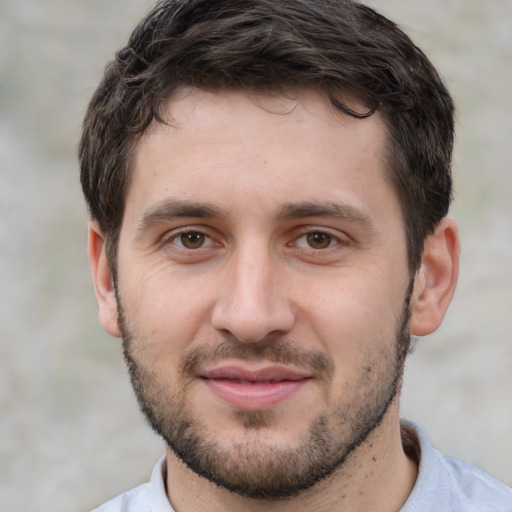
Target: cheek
164,314
355,314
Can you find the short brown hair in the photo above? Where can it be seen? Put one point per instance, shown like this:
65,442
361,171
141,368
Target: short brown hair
332,46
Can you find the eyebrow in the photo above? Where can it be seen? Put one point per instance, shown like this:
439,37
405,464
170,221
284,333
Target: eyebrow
171,209
341,210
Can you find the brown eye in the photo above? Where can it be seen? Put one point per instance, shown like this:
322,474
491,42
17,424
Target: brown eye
318,240
192,240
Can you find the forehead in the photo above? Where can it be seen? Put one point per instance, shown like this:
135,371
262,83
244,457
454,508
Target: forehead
241,112
266,148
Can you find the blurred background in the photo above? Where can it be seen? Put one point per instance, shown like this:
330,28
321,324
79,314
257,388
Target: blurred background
70,432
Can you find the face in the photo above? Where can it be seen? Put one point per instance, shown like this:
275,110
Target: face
262,287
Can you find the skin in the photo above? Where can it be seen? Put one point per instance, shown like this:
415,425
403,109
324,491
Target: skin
249,271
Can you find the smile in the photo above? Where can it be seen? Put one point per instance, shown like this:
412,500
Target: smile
256,390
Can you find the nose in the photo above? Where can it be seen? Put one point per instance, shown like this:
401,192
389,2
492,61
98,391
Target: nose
251,300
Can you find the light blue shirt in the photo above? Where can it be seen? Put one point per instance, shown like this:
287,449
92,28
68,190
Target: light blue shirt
444,484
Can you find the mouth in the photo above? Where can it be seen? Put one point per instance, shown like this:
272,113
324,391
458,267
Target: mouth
254,389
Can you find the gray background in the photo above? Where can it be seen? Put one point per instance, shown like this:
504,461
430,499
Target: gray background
70,432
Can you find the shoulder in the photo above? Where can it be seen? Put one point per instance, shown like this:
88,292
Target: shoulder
136,499
476,489
149,497
448,483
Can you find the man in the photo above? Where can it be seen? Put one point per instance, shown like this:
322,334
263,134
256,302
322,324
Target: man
269,183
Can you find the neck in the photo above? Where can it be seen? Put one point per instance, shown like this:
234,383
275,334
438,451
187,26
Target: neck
378,476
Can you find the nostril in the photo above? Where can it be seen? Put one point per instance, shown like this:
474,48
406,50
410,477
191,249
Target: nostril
252,326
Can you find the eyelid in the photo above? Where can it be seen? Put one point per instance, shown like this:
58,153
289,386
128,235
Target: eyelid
171,236
340,237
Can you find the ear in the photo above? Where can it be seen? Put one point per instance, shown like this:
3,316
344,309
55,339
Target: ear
103,282
435,281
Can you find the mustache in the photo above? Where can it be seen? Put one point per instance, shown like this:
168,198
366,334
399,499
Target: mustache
272,349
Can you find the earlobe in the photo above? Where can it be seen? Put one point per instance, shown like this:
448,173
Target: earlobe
436,279
103,282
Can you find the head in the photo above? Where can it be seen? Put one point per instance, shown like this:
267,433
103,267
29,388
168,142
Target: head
339,48
265,179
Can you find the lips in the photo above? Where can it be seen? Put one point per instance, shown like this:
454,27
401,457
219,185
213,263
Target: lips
254,390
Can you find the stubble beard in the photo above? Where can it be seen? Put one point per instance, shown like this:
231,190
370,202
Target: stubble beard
256,468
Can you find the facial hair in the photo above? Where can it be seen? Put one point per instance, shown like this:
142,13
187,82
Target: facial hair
260,469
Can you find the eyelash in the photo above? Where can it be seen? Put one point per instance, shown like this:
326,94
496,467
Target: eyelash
334,240
174,237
